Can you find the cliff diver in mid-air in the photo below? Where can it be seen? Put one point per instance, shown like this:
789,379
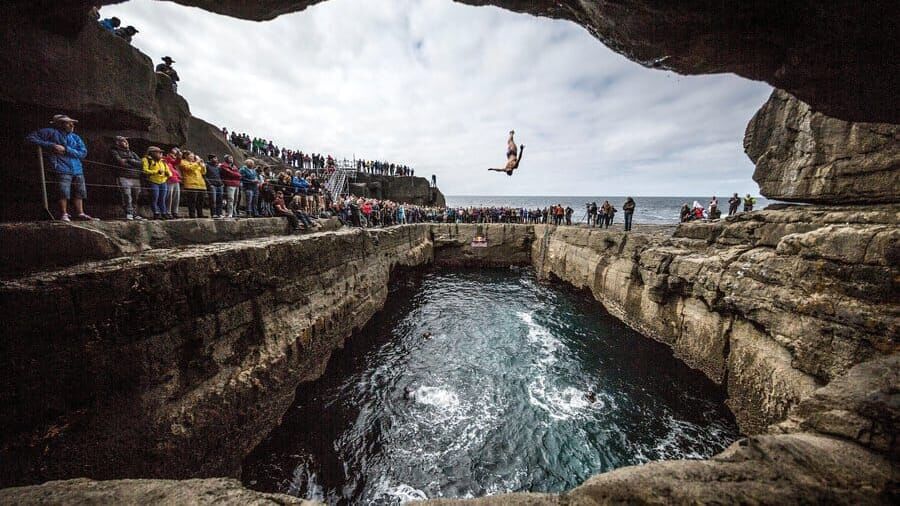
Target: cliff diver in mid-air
513,158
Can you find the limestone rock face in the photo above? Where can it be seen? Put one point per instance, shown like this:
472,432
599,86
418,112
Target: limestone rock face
787,469
30,247
773,303
411,190
507,245
177,362
805,156
140,492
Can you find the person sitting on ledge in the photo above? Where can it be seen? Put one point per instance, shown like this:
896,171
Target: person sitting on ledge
129,177
66,150
166,68
126,33
685,214
110,24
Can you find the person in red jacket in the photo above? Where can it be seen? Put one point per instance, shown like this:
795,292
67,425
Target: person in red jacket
232,180
173,192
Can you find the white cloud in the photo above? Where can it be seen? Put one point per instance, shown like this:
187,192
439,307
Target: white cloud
437,85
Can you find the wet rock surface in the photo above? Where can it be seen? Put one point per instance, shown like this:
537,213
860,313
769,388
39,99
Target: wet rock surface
806,156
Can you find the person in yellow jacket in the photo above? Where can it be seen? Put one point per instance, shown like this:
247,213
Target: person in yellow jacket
192,172
157,173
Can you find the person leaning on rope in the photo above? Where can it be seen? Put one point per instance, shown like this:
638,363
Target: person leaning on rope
66,150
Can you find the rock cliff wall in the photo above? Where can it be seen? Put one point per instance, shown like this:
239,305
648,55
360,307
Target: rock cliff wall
807,156
177,362
102,81
412,190
772,304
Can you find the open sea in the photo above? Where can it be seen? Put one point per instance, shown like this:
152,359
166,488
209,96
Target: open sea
650,210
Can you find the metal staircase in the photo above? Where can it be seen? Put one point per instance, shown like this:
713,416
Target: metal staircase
338,184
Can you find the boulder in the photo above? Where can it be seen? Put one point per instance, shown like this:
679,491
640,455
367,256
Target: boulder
806,156
407,189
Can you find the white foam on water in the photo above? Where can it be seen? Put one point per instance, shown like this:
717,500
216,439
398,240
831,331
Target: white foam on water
437,397
542,337
560,403
301,477
563,404
386,493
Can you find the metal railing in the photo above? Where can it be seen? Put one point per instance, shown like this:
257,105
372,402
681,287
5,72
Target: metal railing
338,184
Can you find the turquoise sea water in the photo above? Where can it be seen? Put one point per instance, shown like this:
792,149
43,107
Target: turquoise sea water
484,382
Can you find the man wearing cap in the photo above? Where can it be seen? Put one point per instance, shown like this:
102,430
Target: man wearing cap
129,176
66,150
166,68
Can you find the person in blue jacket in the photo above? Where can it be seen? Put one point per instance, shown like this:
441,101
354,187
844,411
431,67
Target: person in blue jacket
300,184
250,185
66,150
110,24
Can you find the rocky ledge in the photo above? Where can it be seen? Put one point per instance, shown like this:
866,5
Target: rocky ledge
174,363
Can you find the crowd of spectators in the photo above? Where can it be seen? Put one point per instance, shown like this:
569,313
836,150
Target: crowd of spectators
696,211
365,212
380,168
114,25
258,146
208,187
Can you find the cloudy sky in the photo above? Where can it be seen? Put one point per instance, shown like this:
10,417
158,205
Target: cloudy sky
438,85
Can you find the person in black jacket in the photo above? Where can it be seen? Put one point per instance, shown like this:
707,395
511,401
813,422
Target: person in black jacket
628,209
166,68
214,185
129,176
